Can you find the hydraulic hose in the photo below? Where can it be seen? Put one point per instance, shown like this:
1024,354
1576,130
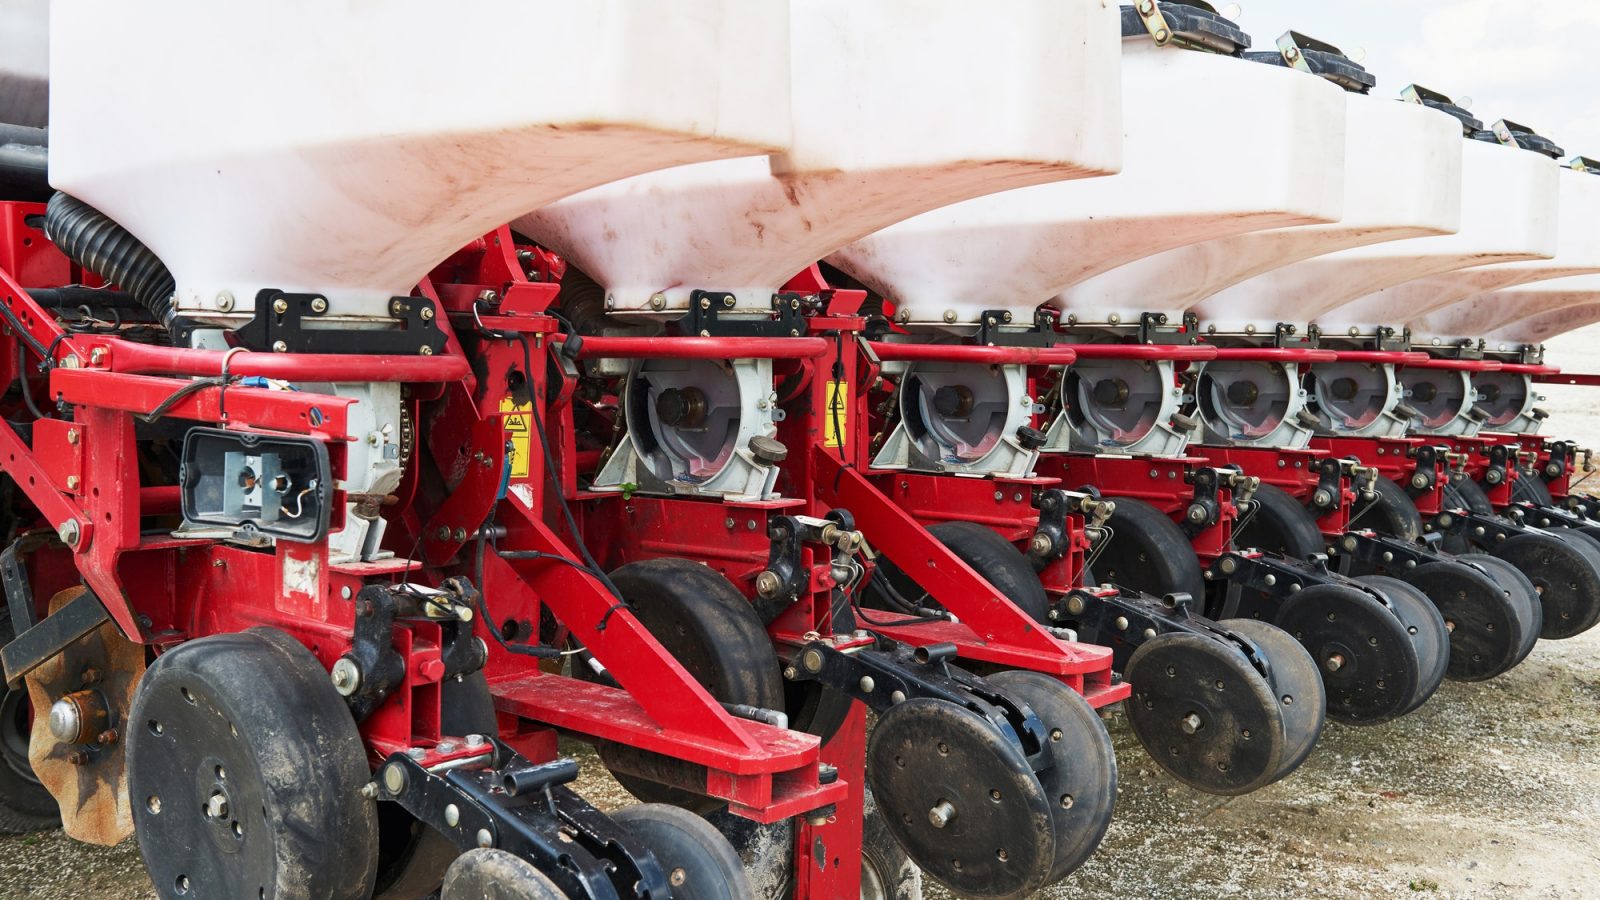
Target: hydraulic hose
91,239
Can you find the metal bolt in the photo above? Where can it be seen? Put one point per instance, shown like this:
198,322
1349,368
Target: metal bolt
867,684
417,753
426,313
475,741
217,806
1334,663
452,815
1190,723
68,532
949,315
280,347
370,790
485,839
425,350
72,436
1039,545
678,876
1122,623
394,779
72,482
897,697
280,305
446,748
346,676
109,736
319,305
225,302
658,301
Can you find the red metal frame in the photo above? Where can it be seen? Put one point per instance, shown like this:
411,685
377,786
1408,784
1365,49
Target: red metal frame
162,590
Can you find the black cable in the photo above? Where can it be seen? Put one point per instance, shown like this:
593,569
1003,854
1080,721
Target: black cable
180,394
27,388
490,624
22,333
555,486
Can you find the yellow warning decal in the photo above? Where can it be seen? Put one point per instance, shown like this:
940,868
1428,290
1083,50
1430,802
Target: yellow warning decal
519,429
838,414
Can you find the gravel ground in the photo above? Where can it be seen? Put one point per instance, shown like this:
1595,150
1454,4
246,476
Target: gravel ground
1490,790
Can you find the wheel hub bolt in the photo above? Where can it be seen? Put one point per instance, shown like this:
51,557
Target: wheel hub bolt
941,814
217,806
1334,663
1191,723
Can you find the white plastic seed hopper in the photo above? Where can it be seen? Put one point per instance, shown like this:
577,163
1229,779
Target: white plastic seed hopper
236,162
1528,314
886,126
1402,180
1466,304
1519,320
24,61
1216,146
1436,305
1508,214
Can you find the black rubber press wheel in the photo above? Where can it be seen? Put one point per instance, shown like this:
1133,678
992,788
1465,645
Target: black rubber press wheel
245,772
1369,664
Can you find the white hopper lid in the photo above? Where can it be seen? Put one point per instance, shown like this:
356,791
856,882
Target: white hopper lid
1402,179
1215,145
1436,303
1508,200
346,148
900,106
24,61
1533,313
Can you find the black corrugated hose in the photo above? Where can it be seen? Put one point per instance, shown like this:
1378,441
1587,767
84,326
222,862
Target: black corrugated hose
92,240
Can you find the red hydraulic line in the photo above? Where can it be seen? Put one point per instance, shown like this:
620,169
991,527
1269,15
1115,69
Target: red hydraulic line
1179,352
1460,365
1529,369
144,359
698,347
1277,354
1400,357
969,353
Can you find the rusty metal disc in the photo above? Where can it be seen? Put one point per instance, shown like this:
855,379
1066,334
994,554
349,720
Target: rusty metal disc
94,681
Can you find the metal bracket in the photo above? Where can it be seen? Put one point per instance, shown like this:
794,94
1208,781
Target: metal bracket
1512,134
1049,540
1192,24
707,309
32,648
1499,462
527,810
19,593
1041,333
1277,578
1205,508
1124,620
1416,93
279,327
892,673
1314,57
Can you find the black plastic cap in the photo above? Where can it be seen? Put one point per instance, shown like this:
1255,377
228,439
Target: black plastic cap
1195,25
1318,58
1416,93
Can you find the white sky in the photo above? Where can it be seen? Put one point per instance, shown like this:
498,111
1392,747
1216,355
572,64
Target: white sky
1523,60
